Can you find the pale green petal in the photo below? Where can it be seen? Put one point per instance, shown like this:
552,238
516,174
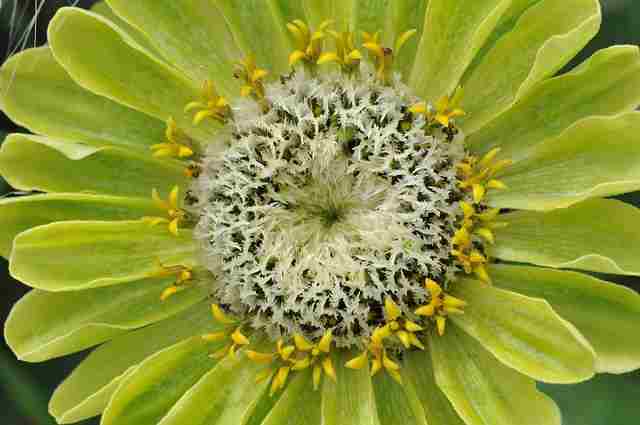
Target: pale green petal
37,163
482,390
418,370
524,333
44,325
299,404
288,10
401,16
397,404
227,394
599,156
146,395
544,39
351,399
598,235
77,255
370,16
454,31
258,29
102,8
606,84
192,36
37,93
341,11
110,64
86,392
607,314
24,212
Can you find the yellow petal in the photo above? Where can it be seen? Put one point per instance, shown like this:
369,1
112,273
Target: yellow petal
376,365
173,226
412,327
441,322
403,336
245,91
262,358
317,374
264,375
358,362
403,38
391,309
329,370
238,337
426,310
215,336
220,316
416,342
496,184
329,57
301,343
395,375
296,57
388,363
486,234
418,108
478,193
168,292
325,342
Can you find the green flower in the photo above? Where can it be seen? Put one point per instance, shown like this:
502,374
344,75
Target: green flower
322,211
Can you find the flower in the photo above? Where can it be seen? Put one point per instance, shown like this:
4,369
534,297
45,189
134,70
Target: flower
351,237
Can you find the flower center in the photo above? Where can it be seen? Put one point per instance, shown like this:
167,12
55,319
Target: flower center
327,203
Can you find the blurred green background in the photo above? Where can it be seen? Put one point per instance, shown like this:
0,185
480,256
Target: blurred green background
25,388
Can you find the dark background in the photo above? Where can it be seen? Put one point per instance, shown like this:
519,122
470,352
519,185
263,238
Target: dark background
25,388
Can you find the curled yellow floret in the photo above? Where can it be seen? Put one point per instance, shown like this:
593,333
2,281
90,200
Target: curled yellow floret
178,144
175,214
211,106
384,56
346,54
252,78
440,305
308,42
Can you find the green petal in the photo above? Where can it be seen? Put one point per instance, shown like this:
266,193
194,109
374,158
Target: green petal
604,400
544,39
524,333
482,390
37,163
44,325
341,11
401,16
351,399
37,93
102,8
299,404
597,235
192,36
86,392
606,84
227,394
397,404
597,157
22,213
259,30
370,16
418,370
77,255
110,64
146,395
454,31
605,313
